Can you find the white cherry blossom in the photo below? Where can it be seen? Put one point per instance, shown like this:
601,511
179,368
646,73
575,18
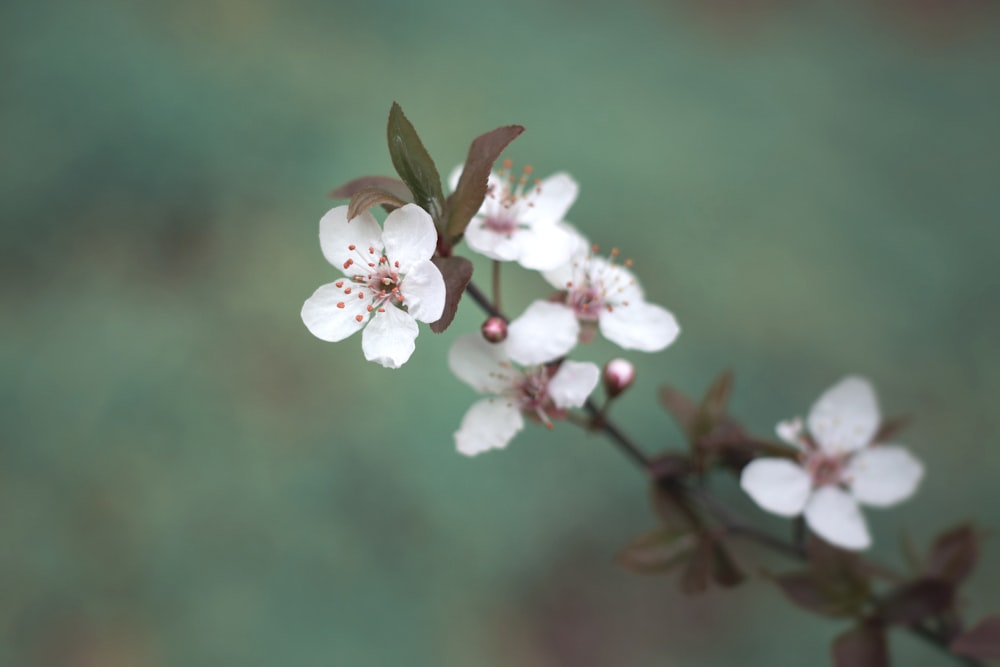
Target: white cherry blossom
519,220
838,467
516,380
389,282
604,294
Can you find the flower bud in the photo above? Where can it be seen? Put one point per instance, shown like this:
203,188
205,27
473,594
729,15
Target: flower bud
494,329
619,375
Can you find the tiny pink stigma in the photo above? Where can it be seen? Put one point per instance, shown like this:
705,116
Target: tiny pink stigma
351,247
628,263
371,250
381,310
595,248
348,263
396,264
347,291
494,329
339,283
340,304
358,318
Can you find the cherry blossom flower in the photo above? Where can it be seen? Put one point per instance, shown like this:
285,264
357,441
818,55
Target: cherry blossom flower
519,221
604,294
389,282
838,467
516,379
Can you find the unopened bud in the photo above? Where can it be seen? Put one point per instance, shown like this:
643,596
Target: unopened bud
494,329
619,375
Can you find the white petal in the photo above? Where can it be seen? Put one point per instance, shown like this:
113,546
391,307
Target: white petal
846,416
546,247
336,235
409,236
572,383
326,321
501,247
790,431
884,475
423,292
489,424
567,272
779,486
389,338
545,331
639,326
835,516
554,197
482,365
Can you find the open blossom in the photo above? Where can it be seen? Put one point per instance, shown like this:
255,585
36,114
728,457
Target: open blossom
607,295
516,385
519,221
838,467
389,282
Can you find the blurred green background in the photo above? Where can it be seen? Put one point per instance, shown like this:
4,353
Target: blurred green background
187,477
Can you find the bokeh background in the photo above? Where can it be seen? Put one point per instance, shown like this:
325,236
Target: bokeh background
187,477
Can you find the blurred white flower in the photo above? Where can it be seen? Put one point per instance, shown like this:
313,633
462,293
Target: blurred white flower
389,282
600,292
520,220
516,380
839,466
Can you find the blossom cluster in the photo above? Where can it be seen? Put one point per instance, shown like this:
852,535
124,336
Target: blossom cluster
394,275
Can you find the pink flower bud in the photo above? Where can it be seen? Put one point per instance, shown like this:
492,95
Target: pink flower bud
494,329
619,375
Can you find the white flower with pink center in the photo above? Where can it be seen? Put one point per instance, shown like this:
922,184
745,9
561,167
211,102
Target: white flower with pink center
838,467
604,294
519,385
389,282
520,218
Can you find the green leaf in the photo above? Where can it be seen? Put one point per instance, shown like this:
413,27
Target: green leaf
954,553
468,196
864,645
656,552
916,601
981,642
414,164
364,199
393,186
457,272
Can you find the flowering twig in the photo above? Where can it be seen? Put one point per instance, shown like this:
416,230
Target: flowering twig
731,522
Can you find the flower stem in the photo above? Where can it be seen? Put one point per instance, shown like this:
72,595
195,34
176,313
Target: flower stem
496,285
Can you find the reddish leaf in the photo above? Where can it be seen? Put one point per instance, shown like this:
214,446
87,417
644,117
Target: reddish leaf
713,406
655,552
413,163
700,566
457,272
916,601
725,571
862,646
681,408
954,553
366,198
393,186
802,589
982,641
468,196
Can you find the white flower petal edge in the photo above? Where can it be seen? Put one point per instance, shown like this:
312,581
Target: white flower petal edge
389,338
777,485
544,332
326,320
846,417
641,326
573,383
834,515
424,291
337,234
410,236
884,475
489,424
479,363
